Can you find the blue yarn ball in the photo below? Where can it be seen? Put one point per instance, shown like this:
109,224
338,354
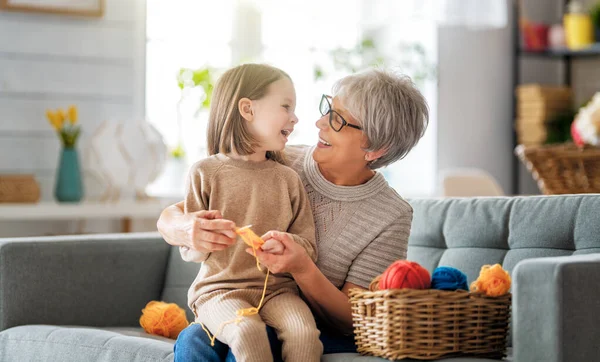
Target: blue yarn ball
448,278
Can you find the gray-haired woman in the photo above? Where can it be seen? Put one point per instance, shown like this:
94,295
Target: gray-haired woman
373,119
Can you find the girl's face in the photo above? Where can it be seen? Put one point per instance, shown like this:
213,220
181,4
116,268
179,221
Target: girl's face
341,148
273,117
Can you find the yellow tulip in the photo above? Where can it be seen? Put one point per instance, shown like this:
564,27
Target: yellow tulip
61,117
61,114
73,114
50,117
58,125
53,120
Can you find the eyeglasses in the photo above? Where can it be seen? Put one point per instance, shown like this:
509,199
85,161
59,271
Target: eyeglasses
336,121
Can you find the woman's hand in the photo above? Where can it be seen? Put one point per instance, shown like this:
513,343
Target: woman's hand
207,231
293,259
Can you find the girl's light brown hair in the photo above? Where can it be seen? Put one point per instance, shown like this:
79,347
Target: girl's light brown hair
227,129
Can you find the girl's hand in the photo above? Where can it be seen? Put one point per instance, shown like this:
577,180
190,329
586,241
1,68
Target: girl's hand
207,231
293,260
272,246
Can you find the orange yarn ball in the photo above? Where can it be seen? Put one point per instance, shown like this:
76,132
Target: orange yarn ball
492,281
405,274
163,319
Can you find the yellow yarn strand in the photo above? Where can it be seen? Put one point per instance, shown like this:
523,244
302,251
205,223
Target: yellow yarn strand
240,313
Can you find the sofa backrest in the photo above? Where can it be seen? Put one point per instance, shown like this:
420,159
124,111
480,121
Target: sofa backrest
179,278
467,233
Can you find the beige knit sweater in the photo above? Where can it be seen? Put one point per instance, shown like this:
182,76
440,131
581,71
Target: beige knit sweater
267,195
360,229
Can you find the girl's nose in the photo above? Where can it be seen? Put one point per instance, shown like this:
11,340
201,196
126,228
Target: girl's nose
294,119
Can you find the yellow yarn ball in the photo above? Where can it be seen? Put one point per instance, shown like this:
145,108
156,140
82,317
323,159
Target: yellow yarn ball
163,319
492,281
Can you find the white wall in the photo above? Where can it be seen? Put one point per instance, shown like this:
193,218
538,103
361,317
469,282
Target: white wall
53,61
474,101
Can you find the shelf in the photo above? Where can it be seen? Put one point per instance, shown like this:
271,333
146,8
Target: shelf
592,51
84,210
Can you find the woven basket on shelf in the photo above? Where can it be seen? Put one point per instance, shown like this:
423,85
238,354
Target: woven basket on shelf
429,324
19,189
564,168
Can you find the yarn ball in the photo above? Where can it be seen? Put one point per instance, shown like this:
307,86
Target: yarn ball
448,278
492,281
163,319
403,274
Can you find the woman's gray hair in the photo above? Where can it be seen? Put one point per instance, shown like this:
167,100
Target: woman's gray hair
390,109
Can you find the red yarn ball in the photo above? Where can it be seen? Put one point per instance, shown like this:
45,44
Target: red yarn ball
403,274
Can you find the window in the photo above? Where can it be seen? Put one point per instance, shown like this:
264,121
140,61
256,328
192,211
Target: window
294,35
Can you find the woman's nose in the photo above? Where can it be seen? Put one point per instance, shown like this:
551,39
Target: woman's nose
322,122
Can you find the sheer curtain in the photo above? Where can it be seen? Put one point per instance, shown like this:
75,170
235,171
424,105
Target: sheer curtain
299,36
475,14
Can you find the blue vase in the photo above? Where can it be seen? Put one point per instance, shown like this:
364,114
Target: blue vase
68,177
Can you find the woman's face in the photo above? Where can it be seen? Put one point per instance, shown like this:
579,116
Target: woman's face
343,148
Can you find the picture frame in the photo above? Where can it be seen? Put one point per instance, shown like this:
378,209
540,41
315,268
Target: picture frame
90,8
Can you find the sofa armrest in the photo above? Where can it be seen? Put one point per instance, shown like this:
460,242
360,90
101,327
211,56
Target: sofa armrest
556,309
91,280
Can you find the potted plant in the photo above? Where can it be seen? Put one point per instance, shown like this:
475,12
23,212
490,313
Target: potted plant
69,187
595,15
188,79
196,86
411,57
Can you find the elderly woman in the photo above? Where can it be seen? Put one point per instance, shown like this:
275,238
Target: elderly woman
372,119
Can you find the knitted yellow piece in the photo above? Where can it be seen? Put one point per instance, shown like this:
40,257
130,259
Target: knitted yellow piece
253,240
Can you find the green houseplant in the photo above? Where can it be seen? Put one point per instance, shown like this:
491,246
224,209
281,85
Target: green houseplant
595,15
188,79
412,59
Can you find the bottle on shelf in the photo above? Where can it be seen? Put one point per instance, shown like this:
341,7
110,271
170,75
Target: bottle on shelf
579,30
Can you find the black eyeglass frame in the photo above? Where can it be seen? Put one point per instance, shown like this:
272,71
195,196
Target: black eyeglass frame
325,98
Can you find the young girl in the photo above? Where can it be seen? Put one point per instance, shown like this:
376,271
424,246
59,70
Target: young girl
251,117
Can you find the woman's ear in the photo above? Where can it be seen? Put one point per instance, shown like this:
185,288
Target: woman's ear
373,155
245,109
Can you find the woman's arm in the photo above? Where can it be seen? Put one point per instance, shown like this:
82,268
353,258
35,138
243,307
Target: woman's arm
326,300
332,305
329,303
204,230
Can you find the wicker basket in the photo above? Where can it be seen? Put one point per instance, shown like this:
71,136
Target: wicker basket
429,324
564,168
19,189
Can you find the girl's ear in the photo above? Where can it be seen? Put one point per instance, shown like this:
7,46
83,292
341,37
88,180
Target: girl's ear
245,109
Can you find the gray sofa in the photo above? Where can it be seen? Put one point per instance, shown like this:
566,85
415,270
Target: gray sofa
79,298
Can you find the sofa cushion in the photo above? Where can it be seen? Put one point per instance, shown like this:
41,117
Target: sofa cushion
354,357
65,344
